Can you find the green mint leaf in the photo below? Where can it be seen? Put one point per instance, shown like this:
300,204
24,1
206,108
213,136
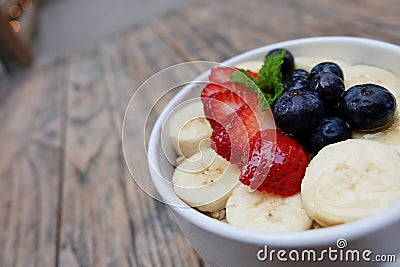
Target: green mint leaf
270,76
241,76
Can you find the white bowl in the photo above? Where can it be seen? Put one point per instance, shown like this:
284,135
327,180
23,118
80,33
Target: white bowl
227,245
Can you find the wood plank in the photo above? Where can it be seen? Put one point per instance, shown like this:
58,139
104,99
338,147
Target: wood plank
216,31
322,19
31,145
94,222
161,242
108,220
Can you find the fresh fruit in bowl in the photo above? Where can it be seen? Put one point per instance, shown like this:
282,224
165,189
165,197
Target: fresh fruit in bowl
253,136
242,105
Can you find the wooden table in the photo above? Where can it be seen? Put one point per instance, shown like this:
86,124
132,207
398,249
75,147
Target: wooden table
66,197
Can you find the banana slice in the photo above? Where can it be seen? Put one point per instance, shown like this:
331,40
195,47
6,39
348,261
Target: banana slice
252,65
205,180
189,130
350,180
263,211
367,74
359,74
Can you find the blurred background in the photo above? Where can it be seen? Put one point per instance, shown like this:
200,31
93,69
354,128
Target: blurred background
54,28
36,32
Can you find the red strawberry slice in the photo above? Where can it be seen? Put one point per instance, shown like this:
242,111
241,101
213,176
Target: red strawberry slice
239,127
274,163
221,101
248,96
254,119
220,105
229,138
220,141
252,73
247,121
211,89
221,75
220,82
225,100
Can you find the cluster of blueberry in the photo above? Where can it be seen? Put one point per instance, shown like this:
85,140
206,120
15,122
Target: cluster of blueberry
316,109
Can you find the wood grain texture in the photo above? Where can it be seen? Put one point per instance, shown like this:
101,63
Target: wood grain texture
66,196
106,219
218,30
94,229
159,242
31,145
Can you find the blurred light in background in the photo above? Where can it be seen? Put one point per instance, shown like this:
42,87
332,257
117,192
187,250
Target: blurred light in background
26,4
14,11
15,25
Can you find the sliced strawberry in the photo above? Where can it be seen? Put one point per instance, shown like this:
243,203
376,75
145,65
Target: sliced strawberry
239,127
250,119
220,105
229,138
252,73
255,119
211,89
274,163
242,125
234,114
220,141
248,96
220,82
220,75
230,141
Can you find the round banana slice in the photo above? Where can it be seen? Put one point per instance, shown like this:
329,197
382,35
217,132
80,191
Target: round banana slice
263,211
205,180
189,130
359,74
350,180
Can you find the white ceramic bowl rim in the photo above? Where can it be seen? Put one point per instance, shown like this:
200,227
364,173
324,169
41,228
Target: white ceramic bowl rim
321,237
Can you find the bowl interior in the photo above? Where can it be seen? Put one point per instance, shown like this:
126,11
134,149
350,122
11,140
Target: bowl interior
350,49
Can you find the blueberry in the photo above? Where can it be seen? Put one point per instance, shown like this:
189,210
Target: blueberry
330,131
296,82
300,72
326,67
288,61
329,88
367,107
298,112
